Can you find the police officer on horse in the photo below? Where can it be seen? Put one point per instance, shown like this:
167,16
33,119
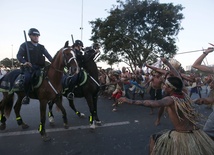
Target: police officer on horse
70,82
31,55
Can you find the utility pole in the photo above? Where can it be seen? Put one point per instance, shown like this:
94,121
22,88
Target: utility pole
81,28
12,57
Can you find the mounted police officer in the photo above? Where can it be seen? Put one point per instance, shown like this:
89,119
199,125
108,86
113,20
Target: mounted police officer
69,82
35,52
77,47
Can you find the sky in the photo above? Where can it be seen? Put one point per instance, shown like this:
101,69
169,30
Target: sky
57,20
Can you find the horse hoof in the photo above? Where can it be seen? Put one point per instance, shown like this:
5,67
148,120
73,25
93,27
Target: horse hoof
46,138
99,123
92,126
82,115
66,126
51,119
3,126
25,126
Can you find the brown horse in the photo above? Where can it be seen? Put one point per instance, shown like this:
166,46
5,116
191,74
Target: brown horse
87,87
49,90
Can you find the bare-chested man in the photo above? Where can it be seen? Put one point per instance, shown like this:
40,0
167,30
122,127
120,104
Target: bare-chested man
186,137
174,70
125,77
155,91
209,126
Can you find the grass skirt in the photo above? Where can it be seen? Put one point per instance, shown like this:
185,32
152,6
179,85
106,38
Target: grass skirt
196,142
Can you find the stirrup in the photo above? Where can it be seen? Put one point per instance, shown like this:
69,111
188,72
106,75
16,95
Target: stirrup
26,100
70,96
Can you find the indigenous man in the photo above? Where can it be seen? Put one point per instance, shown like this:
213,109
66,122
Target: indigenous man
186,137
174,70
155,83
125,77
209,126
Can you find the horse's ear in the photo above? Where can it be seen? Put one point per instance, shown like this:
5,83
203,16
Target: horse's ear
66,44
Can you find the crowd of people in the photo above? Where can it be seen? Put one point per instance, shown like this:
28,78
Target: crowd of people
168,89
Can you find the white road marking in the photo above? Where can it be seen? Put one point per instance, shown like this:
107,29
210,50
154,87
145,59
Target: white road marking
17,133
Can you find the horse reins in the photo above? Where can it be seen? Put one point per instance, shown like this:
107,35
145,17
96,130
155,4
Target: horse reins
61,71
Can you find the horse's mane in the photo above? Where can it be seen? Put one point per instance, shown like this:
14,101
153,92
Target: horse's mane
89,64
66,45
56,55
89,53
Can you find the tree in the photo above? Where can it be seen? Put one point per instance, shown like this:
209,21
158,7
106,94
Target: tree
6,62
138,31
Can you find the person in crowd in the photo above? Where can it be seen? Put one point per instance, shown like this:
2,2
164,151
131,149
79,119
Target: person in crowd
110,83
186,137
147,77
209,125
207,81
155,87
118,92
102,80
31,56
137,84
196,86
174,69
125,77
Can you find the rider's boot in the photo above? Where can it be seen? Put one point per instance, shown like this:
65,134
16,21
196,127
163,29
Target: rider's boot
26,100
70,96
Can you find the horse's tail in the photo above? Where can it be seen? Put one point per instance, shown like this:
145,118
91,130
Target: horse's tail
8,103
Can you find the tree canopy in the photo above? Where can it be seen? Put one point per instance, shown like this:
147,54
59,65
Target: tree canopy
137,31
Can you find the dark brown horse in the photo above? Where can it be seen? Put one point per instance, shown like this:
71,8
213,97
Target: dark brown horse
87,87
49,90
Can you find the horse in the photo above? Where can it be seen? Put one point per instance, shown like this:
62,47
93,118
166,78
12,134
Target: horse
50,89
87,87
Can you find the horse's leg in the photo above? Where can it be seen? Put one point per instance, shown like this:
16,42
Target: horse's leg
17,109
92,108
71,103
43,105
98,122
64,115
2,117
50,113
6,105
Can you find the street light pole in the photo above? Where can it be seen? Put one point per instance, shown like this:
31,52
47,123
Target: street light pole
12,56
81,28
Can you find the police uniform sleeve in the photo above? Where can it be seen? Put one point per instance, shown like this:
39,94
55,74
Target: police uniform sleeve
21,53
47,55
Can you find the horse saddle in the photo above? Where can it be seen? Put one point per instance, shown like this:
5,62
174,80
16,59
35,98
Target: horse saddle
73,84
14,81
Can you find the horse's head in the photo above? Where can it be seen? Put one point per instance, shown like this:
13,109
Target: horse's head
65,57
90,53
70,59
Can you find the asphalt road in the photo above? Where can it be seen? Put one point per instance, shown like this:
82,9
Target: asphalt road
125,132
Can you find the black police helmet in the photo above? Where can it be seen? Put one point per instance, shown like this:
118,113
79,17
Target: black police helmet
33,31
78,43
96,45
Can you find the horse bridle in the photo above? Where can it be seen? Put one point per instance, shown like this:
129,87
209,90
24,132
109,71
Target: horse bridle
66,64
72,58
